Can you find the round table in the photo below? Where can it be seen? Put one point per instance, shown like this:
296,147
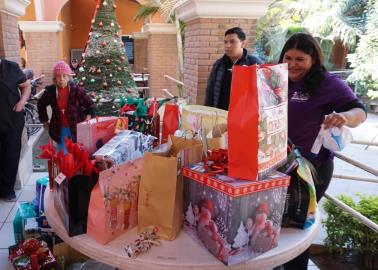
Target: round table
182,253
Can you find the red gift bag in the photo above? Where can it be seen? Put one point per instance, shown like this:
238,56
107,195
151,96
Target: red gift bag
257,120
94,133
170,121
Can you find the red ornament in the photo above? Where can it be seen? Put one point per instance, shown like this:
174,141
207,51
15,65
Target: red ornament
101,24
105,84
103,44
81,83
107,61
98,71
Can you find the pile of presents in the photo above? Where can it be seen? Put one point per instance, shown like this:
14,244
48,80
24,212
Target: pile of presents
217,169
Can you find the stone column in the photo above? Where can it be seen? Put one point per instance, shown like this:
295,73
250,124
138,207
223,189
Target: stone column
207,20
43,46
162,57
140,51
10,10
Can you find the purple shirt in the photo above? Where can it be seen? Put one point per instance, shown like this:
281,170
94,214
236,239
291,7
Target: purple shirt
306,114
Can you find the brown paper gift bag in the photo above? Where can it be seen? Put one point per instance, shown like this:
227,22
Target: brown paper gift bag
161,188
217,138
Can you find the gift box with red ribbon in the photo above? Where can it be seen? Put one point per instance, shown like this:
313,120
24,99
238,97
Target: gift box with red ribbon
32,254
236,220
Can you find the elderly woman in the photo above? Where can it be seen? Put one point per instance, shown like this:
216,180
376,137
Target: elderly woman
69,103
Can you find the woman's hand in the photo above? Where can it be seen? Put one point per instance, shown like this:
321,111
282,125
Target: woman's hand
334,120
351,118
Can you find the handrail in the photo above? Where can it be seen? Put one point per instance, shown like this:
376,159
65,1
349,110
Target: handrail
173,79
357,164
367,222
365,143
357,178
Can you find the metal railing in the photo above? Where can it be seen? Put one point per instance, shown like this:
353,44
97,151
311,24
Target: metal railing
173,79
361,218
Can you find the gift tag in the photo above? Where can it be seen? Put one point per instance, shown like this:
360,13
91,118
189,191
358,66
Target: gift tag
60,178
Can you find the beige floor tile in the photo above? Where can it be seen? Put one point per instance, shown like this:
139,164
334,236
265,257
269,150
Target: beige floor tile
5,209
27,195
4,262
12,213
7,235
34,177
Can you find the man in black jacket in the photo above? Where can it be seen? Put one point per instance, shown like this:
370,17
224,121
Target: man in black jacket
219,82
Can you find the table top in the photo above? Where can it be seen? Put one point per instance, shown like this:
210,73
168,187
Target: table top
182,253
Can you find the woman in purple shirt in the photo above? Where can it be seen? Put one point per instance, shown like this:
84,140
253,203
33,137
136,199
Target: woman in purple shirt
316,97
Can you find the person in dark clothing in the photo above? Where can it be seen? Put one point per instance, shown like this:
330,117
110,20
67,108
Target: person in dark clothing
14,92
219,82
70,105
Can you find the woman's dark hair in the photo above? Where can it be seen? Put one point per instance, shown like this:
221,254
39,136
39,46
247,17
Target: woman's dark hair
307,44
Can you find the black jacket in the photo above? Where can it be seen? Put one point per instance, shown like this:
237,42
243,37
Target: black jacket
214,83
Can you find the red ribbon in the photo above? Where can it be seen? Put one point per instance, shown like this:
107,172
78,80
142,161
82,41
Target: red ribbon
216,160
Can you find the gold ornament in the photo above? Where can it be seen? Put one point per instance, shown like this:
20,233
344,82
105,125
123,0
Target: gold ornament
119,82
97,51
105,3
107,61
98,71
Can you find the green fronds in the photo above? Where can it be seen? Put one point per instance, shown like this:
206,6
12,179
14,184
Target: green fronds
145,11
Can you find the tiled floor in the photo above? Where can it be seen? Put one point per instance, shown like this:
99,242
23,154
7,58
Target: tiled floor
7,213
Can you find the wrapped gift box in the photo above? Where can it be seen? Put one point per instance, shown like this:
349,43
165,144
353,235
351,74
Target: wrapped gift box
236,220
25,210
126,145
32,254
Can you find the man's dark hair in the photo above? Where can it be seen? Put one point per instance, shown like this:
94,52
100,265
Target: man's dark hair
236,30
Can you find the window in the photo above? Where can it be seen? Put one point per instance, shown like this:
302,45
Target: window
129,48
76,54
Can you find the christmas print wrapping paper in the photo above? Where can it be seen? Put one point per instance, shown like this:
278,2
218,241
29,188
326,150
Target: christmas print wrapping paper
114,200
196,118
257,120
236,220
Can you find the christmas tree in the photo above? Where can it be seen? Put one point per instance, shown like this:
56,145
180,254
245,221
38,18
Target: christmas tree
104,69
241,238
